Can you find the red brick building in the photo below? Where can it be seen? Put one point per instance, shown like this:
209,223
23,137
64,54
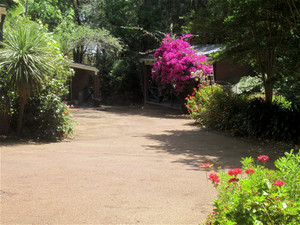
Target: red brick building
84,84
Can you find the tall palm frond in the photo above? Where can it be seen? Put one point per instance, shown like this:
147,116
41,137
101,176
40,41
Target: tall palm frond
27,59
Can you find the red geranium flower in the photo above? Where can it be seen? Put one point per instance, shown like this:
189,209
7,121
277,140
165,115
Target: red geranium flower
214,177
235,172
263,158
250,171
233,179
279,183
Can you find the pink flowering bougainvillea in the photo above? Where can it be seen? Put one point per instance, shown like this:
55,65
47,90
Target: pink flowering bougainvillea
176,61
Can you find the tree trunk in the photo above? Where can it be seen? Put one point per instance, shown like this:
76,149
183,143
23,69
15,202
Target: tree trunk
21,114
269,92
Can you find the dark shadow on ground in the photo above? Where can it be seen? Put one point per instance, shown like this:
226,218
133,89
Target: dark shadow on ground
15,141
146,110
201,146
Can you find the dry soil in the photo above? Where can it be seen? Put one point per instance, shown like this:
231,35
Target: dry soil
124,165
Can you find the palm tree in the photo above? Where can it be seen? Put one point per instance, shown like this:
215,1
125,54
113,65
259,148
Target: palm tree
27,58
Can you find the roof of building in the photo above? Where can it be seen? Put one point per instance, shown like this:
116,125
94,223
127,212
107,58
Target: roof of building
84,67
207,49
199,49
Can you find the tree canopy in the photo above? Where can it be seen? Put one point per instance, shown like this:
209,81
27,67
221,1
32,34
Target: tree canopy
264,34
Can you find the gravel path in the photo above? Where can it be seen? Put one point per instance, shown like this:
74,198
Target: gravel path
124,165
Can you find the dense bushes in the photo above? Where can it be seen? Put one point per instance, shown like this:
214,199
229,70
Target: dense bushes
216,108
46,117
33,92
256,195
271,121
123,84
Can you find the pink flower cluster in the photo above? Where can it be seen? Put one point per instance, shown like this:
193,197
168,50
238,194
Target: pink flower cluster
176,60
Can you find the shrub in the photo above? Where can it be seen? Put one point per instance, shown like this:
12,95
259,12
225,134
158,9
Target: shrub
248,84
176,60
271,121
257,195
48,117
213,107
124,84
39,82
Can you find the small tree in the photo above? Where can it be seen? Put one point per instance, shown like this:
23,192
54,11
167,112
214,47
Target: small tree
27,58
262,33
176,61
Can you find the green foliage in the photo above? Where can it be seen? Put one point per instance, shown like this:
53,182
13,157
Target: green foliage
26,59
249,84
213,107
81,41
124,83
264,34
289,87
26,56
271,121
216,108
34,77
132,21
47,117
51,12
259,195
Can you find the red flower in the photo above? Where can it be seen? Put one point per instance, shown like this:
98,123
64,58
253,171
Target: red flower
235,172
205,165
248,171
214,177
279,183
233,179
263,158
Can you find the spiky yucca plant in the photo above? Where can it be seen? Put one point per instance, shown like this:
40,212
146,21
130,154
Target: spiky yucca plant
27,57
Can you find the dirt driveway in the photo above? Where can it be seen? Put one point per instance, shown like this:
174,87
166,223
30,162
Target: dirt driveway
123,166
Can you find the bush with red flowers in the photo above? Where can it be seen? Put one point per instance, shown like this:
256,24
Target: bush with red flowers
254,194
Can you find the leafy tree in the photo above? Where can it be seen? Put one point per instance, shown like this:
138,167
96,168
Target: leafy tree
7,2
80,41
262,33
51,12
26,58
